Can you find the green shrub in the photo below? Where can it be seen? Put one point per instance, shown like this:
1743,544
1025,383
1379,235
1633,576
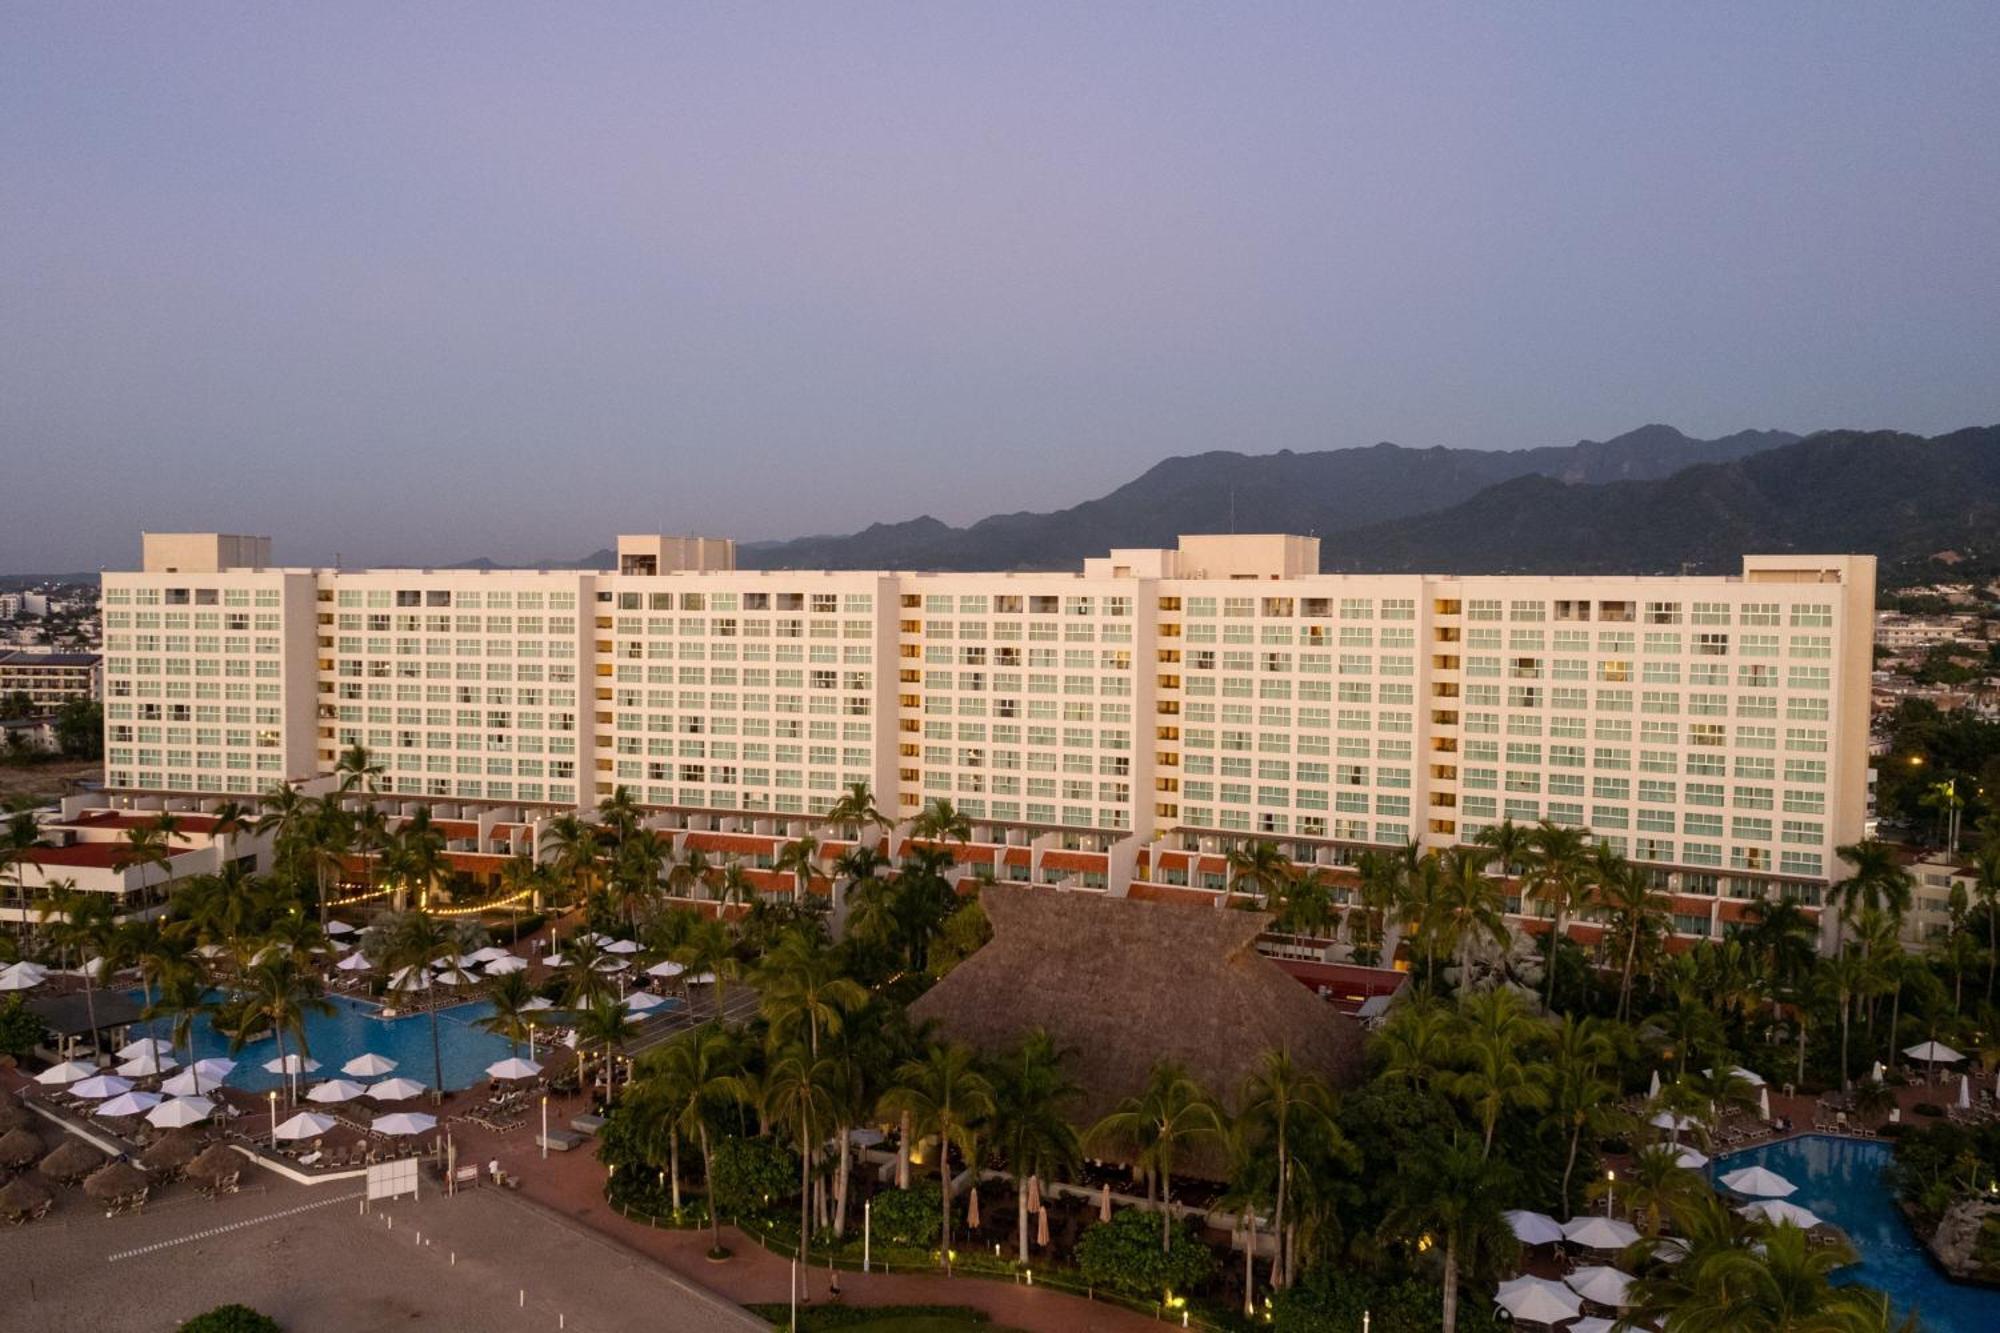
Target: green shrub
1928,1108
751,1174
907,1217
231,1319
1124,1254
20,1029
1329,1300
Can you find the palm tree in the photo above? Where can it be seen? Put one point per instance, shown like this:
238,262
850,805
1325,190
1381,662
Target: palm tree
1416,1044
149,846
619,813
1171,1112
694,1076
609,1024
710,950
1879,883
1638,913
1455,1195
1384,879
943,1094
802,1092
416,856
278,992
231,818
1584,1102
1509,843
86,923
1258,863
801,984
574,850
852,868
510,996
1030,1127
1500,1069
635,873
410,940
358,770
1281,1101
1654,1188
522,876
1986,888
154,948
1557,860
183,1001
1781,1284
18,844
856,810
941,821
1469,904
799,857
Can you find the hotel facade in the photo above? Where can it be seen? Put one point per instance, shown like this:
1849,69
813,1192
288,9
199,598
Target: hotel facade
1114,729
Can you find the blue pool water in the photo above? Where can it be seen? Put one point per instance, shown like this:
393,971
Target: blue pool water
354,1028
1841,1180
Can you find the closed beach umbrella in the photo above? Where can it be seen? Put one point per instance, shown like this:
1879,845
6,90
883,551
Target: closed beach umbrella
306,1125
1042,1227
1599,1233
1777,1210
515,1067
22,1196
395,1089
72,1160
1104,1203
118,1180
405,1123
99,1086
291,1064
336,1090
180,1112
132,1050
1606,1286
668,969
1538,1300
18,1147
1653,1088
1532,1228
69,1071
1756,1180
370,1065
1763,1103
170,1152
1964,1092
972,1208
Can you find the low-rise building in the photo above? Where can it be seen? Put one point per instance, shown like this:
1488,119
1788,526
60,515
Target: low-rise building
50,680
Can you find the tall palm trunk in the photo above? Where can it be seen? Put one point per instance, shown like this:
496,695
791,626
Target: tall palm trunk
1021,1220
708,1184
1625,979
1569,1166
1555,943
1278,1216
674,1164
1450,1320
437,1059
1166,1209
1249,1262
840,1185
805,1203
944,1195
903,1155
1844,1083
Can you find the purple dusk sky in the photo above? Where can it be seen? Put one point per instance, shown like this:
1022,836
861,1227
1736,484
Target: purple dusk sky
423,282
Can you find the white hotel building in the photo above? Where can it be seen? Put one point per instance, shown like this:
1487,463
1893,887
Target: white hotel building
1115,728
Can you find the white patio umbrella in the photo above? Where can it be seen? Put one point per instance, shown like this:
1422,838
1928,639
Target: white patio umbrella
369,1065
293,1063
501,967
1933,1052
1531,1228
540,1002
611,965
146,1066
132,1050
640,1001
622,946
1599,1233
409,979
1777,1210
1653,1088
1689,1158
1606,1286
514,1067
1538,1300
131,1103
178,1112
1678,1124
20,977
354,962
668,969
336,1090
339,928
1756,1180
395,1089
405,1122
556,960
1591,1324
69,1071
190,1082
1964,1092
99,1086
453,979
1875,1074
306,1125
492,953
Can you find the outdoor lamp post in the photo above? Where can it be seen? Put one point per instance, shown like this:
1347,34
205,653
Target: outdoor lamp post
1610,1191
545,1127
271,1099
531,1041
867,1230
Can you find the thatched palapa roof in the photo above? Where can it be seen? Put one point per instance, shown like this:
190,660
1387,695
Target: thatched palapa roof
217,1162
72,1160
18,1147
17,1116
171,1151
1123,984
22,1196
119,1180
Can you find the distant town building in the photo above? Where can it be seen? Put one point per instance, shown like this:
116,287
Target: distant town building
51,680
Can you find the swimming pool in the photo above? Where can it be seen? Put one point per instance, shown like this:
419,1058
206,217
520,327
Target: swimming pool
356,1028
1841,1180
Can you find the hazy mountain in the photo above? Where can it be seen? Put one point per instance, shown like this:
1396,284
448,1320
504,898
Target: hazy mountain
1897,496
1318,493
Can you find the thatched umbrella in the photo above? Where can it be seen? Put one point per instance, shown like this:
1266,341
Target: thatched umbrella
170,1152
8,1097
16,1116
119,1180
18,1147
72,1160
22,1196
216,1162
